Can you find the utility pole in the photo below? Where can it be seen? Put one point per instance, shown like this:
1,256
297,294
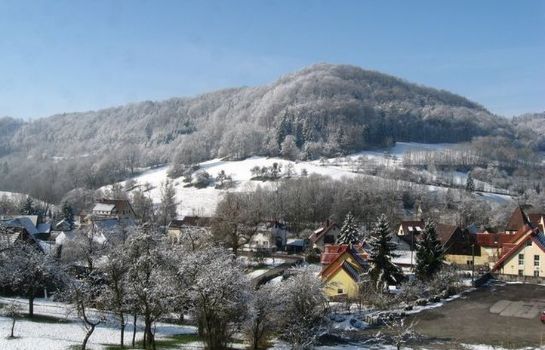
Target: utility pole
472,263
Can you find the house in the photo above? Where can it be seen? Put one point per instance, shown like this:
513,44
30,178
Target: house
523,257
325,234
177,228
20,229
113,208
272,235
342,267
409,232
460,246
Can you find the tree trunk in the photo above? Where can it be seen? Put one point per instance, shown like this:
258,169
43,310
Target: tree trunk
87,336
148,334
134,329
12,327
122,326
31,304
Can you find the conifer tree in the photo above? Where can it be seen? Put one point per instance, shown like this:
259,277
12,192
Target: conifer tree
27,207
68,214
383,271
470,184
349,231
429,253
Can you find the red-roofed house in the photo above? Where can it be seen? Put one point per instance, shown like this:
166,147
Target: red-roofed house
523,256
343,266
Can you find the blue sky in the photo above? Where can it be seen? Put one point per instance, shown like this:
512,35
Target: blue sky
62,56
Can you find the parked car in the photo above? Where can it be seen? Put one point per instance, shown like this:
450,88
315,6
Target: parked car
543,317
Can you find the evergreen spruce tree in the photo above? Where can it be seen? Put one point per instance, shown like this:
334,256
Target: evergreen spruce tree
383,271
470,184
429,253
349,231
27,207
68,214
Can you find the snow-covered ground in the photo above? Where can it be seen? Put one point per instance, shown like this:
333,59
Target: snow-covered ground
194,201
54,336
11,195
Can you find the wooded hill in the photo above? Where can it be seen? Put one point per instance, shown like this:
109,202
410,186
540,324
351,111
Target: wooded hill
327,109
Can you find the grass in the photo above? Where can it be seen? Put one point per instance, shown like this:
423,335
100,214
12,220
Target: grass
164,343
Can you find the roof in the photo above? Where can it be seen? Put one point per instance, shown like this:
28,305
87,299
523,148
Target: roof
103,207
498,240
333,251
44,228
411,230
321,231
296,242
119,204
445,232
190,221
341,262
22,222
518,219
511,248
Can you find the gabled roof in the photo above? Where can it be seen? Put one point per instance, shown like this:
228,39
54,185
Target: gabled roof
332,251
499,240
119,204
518,220
341,262
445,232
103,207
190,221
510,249
22,222
322,231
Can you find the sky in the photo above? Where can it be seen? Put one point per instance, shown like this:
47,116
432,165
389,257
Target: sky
73,55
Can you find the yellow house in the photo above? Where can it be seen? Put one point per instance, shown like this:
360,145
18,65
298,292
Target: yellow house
524,257
342,270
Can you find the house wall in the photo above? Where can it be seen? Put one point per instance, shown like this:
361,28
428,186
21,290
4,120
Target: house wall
512,267
174,235
262,240
341,280
463,259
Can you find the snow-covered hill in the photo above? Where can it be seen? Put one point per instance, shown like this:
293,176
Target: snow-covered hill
195,201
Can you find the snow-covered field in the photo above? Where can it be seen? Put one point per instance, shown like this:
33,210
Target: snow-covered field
56,336
194,201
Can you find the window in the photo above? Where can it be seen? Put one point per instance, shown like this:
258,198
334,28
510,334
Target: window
340,291
521,259
529,243
521,272
536,273
536,260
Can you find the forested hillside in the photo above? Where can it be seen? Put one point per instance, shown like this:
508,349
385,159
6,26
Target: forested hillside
531,127
326,108
323,110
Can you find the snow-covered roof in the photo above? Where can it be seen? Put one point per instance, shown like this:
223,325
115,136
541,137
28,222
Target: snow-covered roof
103,207
22,222
65,236
296,242
44,228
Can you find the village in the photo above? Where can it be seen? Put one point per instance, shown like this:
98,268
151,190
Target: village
345,258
